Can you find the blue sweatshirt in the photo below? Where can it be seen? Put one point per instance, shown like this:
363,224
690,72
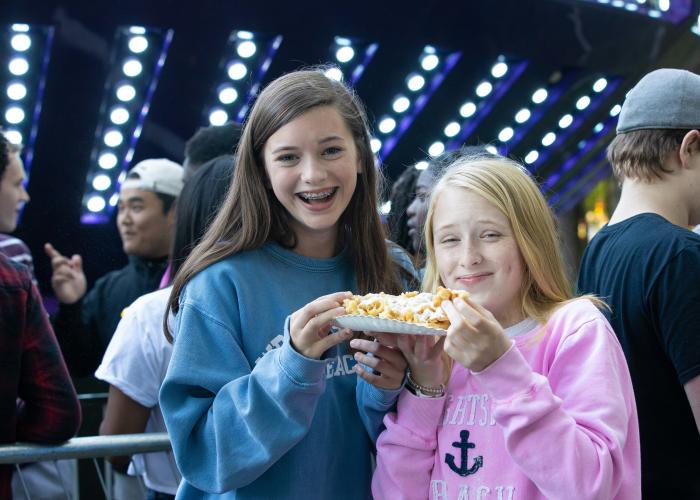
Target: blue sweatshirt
249,416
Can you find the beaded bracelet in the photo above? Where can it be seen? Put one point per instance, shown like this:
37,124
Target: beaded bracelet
423,391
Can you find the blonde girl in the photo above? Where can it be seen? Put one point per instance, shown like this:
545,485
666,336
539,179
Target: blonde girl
535,399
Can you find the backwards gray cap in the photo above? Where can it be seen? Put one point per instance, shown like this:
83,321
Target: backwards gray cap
663,99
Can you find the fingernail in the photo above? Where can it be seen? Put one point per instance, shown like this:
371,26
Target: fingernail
357,356
354,343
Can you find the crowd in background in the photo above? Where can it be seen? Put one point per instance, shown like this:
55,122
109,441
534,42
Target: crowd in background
219,330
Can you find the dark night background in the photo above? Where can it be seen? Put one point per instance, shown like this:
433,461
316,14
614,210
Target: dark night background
589,39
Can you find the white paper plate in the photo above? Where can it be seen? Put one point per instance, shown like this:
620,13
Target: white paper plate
372,324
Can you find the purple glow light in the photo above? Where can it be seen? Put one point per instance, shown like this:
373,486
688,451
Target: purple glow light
124,162
356,73
484,107
580,117
521,129
389,143
259,75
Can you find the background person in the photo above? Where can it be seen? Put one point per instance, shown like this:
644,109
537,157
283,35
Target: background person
85,321
645,263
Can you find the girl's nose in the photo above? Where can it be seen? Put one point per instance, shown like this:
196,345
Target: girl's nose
313,172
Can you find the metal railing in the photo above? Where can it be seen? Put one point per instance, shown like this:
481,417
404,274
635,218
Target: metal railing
90,447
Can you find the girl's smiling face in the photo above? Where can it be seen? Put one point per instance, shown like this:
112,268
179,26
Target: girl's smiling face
475,250
312,165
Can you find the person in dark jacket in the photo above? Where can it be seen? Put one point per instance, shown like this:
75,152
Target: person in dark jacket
85,321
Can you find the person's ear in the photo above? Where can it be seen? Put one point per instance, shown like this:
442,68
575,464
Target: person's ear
689,146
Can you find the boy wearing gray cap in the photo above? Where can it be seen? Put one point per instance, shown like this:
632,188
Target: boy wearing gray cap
646,265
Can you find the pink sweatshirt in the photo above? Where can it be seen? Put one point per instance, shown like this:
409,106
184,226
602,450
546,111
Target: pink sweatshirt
554,417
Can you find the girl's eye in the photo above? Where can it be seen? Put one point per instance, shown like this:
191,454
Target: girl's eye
491,236
447,240
286,158
422,196
333,150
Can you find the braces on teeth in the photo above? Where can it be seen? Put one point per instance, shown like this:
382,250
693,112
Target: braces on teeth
316,196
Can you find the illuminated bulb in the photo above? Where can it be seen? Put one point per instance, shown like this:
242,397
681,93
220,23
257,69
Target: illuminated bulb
218,117
499,69
583,102
16,91
415,82
505,135
246,49
600,85
430,62
421,165
125,93
132,68
138,44
467,109
344,54
452,129
14,115
484,89
227,95
334,74
436,149
101,182
21,42
14,136
539,96
522,116
18,66
549,138
237,70
531,157
96,204
401,104
107,161
566,120
119,116
386,125
113,138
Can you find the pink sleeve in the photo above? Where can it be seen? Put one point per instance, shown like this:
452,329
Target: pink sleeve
574,432
406,448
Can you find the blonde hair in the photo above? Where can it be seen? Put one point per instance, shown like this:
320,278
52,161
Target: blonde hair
508,186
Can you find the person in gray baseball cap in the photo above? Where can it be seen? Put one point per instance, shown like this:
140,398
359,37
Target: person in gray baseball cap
646,264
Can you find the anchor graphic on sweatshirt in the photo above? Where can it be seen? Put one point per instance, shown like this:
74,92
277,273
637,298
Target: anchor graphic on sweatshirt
464,446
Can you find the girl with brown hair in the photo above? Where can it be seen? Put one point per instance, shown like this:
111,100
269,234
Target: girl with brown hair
261,401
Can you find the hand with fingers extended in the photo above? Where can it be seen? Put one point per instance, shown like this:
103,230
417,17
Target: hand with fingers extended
310,326
67,279
475,339
387,363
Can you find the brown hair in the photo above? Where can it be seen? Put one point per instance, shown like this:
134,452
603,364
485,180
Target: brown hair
7,149
642,154
251,215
